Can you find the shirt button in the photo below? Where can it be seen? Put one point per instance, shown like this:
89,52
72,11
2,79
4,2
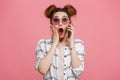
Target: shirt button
65,48
64,55
64,73
64,64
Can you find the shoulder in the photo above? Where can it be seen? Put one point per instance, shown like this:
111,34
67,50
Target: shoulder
40,41
79,45
44,41
79,41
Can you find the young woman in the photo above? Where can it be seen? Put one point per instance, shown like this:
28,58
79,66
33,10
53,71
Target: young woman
61,57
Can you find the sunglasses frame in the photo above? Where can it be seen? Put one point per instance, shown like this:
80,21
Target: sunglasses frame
60,20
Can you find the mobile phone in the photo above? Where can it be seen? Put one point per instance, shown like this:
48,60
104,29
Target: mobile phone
69,33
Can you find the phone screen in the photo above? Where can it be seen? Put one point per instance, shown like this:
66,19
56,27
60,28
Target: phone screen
69,33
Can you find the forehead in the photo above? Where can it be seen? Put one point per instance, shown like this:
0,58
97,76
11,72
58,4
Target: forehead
60,14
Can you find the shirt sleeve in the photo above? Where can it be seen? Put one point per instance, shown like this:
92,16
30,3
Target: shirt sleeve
80,50
40,52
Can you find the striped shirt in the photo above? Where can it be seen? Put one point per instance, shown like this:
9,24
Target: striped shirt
69,73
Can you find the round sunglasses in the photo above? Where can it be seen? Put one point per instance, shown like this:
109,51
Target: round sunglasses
56,21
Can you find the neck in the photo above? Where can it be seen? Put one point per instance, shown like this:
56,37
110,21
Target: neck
62,41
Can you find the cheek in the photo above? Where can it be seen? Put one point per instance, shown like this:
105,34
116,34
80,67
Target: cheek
56,26
65,26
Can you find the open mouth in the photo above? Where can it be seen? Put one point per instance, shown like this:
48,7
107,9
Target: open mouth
60,30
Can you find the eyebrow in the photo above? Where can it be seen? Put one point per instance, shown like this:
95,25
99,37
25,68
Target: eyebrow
62,16
55,16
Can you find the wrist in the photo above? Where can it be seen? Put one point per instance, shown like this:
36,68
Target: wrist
54,45
71,48
72,44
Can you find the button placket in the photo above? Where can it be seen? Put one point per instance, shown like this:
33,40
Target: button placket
65,56
65,50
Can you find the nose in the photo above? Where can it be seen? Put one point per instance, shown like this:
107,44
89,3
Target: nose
60,23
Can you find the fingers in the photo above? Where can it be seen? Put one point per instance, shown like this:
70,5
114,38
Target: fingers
54,30
70,28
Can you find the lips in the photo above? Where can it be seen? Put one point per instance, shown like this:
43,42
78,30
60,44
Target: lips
60,30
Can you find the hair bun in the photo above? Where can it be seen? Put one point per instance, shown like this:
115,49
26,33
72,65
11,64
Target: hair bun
70,9
49,10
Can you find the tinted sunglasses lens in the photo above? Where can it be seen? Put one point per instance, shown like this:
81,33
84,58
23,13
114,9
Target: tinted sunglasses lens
56,21
65,20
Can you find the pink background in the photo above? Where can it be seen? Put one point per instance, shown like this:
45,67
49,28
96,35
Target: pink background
22,24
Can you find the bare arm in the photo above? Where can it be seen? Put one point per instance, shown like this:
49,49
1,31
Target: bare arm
74,57
46,61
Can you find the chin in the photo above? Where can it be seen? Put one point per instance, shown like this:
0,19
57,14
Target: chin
62,36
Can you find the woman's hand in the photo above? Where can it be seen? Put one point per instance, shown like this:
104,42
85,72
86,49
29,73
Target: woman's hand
71,29
55,35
